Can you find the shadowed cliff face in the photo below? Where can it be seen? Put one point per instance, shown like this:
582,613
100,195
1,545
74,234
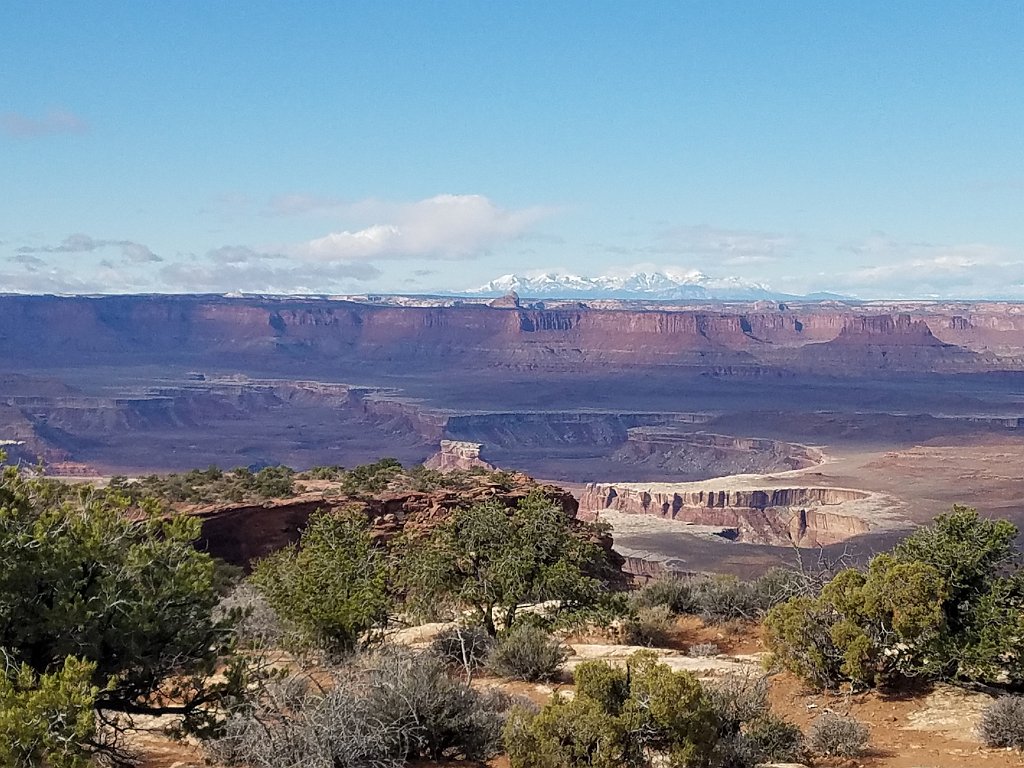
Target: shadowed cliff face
242,533
689,454
271,333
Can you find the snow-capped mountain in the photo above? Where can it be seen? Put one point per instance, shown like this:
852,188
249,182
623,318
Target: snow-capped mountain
664,286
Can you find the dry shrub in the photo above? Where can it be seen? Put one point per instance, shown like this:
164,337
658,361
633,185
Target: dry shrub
527,653
672,591
255,623
440,717
467,647
835,735
293,725
770,739
718,599
698,650
376,711
650,626
749,734
1002,723
739,699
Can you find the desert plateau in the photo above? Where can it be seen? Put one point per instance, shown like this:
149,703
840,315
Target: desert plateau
406,384
764,425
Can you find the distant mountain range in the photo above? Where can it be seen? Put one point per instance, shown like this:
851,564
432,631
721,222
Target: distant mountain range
660,286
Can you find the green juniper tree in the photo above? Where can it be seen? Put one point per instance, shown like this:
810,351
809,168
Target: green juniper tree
946,603
491,560
331,587
106,604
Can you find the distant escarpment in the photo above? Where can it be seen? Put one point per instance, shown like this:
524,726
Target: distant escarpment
805,516
702,454
273,333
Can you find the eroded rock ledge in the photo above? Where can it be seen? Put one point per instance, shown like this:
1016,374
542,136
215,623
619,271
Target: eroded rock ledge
803,515
457,454
241,533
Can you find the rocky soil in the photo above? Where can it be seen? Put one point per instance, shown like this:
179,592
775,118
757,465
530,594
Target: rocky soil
927,728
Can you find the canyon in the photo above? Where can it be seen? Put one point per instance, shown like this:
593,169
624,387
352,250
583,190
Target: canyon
773,410
741,508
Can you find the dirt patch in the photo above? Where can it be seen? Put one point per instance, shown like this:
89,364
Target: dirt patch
923,729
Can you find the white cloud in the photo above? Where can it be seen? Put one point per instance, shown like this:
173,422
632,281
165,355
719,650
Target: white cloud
29,262
104,278
441,227
137,252
897,269
224,269
81,243
54,122
245,269
239,254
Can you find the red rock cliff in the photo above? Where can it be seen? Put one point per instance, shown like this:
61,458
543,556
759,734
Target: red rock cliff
803,516
198,329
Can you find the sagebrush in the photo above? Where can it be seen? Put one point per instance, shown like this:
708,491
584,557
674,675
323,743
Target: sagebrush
528,653
648,626
834,735
1002,723
380,710
718,599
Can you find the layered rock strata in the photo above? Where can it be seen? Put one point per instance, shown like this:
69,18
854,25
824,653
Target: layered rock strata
455,455
272,332
805,516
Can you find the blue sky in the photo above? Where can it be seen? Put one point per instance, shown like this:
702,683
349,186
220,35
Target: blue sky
873,148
